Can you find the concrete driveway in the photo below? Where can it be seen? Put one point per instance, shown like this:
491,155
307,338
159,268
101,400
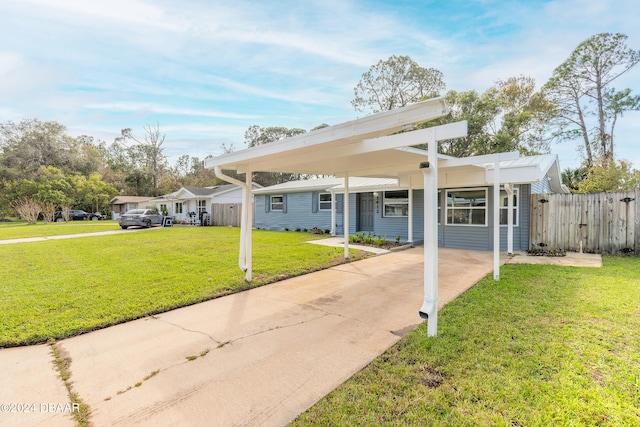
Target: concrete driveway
255,358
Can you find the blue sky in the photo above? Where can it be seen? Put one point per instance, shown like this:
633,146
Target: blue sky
207,70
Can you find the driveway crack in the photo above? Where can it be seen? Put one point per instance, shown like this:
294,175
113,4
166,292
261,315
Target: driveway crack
187,329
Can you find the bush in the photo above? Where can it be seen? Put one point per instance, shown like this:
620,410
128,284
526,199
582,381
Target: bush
28,209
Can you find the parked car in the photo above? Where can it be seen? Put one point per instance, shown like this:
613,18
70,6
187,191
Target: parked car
140,218
77,215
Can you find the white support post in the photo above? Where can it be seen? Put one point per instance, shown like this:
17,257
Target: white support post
346,216
248,206
410,214
508,188
429,309
496,219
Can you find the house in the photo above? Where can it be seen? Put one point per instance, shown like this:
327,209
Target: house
465,192
190,203
121,204
385,207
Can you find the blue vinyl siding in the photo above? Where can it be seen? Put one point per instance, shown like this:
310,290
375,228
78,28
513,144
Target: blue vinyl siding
300,214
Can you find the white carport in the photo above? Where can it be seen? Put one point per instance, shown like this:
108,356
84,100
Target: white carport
372,147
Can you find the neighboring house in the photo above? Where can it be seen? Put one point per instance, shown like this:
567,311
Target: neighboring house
190,203
382,206
121,204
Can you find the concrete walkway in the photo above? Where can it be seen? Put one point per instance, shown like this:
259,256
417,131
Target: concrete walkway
257,358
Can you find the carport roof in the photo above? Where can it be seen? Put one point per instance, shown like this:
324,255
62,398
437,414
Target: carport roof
380,146
355,148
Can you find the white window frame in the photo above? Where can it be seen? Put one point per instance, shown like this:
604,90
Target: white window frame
516,207
326,203
202,205
401,202
178,206
277,206
469,208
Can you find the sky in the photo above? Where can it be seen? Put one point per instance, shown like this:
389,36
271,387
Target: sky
204,71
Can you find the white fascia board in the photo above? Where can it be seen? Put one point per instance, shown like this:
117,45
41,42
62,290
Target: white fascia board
517,175
422,136
183,193
322,158
367,127
478,160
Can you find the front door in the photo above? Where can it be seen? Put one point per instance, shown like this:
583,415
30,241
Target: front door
366,210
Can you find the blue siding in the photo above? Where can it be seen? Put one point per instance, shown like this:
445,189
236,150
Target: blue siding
300,214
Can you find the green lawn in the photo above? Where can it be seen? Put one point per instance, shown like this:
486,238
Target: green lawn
20,229
545,346
59,288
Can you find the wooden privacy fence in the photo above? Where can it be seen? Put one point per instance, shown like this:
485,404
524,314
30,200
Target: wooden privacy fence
596,223
226,214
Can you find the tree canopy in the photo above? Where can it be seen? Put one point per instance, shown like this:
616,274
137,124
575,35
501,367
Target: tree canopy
394,83
509,116
257,135
588,105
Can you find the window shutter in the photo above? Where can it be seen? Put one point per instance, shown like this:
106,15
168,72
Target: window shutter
284,203
314,202
267,203
339,203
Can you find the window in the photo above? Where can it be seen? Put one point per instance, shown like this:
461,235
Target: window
202,206
504,208
178,208
467,207
324,202
277,203
396,203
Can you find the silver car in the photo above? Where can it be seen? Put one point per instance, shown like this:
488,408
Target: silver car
140,218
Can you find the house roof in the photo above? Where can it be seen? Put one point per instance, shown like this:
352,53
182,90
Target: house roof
200,192
328,184
514,170
120,200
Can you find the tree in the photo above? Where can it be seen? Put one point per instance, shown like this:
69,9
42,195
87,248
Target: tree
395,83
610,176
257,135
29,144
509,116
588,106
572,177
146,155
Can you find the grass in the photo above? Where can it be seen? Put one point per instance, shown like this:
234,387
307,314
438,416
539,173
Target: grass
20,229
544,346
60,288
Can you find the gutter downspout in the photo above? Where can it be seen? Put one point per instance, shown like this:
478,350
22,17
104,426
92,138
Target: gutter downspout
508,188
244,256
429,309
345,212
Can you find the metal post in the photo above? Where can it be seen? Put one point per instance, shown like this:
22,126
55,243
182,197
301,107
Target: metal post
496,219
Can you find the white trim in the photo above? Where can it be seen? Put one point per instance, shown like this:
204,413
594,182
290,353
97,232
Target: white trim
320,202
384,204
472,208
510,207
272,203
